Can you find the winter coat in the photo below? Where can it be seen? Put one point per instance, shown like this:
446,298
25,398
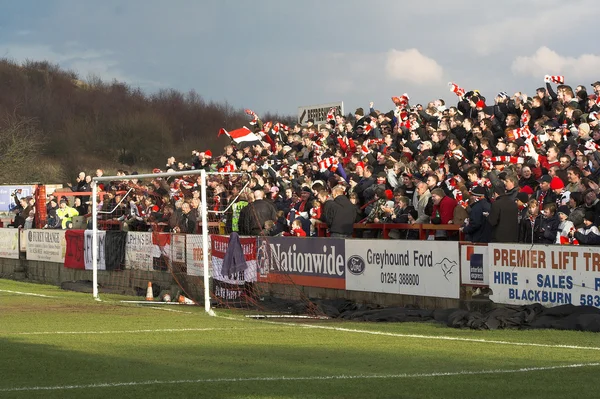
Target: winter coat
253,217
443,212
549,230
478,229
343,216
503,219
588,235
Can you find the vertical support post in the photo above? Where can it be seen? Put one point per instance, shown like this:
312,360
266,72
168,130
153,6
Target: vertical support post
95,240
205,249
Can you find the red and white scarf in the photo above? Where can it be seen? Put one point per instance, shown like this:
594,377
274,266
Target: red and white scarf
454,88
558,79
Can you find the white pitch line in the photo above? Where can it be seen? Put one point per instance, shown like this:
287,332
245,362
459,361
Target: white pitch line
309,378
169,310
432,337
135,331
29,294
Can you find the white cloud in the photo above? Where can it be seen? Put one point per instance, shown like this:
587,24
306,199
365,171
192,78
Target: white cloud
412,66
530,24
548,62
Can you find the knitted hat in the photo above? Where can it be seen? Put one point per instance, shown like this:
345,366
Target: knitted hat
590,215
478,191
584,127
527,190
413,213
359,112
439,192
556,183
389,194
564,209
523,197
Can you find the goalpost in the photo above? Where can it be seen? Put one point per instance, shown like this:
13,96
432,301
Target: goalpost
196,265
96,180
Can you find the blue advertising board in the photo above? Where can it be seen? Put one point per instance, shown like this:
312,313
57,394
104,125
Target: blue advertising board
6,200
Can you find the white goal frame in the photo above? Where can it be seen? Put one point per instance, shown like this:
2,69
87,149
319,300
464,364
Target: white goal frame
206,262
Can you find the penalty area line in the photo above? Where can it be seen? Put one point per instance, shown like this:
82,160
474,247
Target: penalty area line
419,336
308,378
160,330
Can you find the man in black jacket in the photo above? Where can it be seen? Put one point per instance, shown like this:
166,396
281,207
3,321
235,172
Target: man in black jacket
477,228
340,214
504,218
253,216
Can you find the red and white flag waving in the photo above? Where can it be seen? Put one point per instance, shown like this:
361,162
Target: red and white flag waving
240,135
454,88
558,79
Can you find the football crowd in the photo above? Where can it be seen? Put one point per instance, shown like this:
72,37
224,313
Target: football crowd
507,168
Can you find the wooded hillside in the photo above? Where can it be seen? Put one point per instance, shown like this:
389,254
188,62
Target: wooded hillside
53,123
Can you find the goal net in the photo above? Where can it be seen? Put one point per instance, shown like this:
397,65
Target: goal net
177,237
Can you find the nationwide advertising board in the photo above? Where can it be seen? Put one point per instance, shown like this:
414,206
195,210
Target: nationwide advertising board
548,274
311,262
407,267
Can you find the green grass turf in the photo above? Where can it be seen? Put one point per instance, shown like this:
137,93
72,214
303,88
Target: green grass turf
131,344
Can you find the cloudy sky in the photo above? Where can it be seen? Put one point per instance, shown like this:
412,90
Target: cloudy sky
276,55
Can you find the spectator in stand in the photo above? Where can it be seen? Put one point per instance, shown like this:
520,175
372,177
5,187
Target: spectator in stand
24,206
254,215
549,225
424,203
52,220
79,182
340,214
188,223
476,227
504,217
574,178
443,211
565,227
80,207
588,234
65,214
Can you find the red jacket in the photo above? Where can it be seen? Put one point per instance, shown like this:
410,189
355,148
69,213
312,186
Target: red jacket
444,210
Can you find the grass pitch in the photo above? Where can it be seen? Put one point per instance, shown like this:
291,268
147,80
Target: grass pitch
57,344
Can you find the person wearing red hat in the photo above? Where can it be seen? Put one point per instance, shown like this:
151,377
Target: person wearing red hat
558,187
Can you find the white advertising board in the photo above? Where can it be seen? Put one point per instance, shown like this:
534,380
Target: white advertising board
46,245
194,254
403,267
551,275
318,112
139,250
88,249
9,243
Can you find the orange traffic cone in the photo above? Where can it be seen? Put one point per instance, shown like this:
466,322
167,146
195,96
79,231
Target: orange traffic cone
184,300
149,294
